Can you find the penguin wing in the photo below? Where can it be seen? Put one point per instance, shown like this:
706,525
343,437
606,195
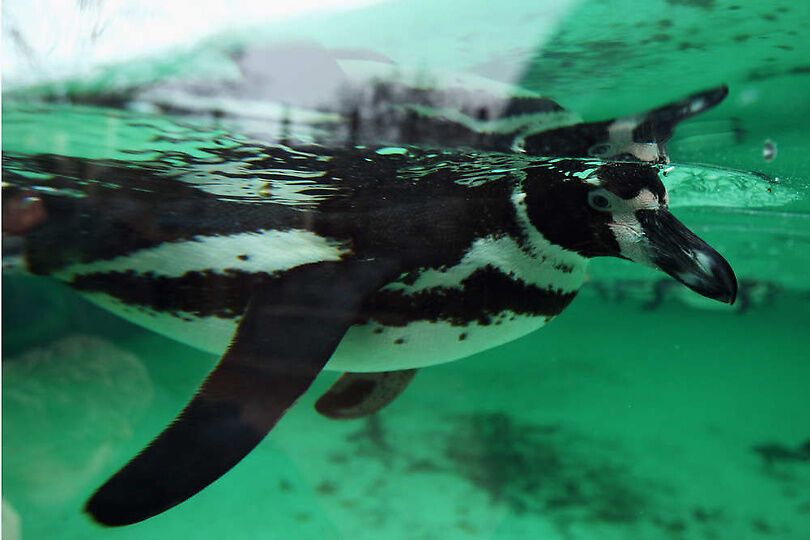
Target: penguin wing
355,395
285,337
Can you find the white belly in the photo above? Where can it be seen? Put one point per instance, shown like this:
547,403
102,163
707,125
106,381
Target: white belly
418,344
423,343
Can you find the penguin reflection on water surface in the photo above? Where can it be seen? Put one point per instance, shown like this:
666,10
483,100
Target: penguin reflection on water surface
386,261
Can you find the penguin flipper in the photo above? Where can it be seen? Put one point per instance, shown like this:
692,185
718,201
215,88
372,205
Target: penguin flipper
355,395
285,337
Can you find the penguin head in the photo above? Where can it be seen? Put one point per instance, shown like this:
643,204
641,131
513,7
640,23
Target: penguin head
620,209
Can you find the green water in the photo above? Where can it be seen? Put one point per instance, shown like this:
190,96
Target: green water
635,415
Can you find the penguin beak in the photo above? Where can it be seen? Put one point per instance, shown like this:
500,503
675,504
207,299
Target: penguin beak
680,253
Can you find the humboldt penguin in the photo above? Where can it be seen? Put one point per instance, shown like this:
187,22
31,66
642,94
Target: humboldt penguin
374,261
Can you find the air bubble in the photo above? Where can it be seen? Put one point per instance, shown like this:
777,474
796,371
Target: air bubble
769,150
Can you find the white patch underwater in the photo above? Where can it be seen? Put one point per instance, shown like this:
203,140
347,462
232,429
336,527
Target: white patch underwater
262,251
418,344
505,255
425,343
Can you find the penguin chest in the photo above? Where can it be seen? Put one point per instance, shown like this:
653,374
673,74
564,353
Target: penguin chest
495,294
369,347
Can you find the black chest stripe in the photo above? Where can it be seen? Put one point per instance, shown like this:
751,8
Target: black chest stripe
203,294
482,296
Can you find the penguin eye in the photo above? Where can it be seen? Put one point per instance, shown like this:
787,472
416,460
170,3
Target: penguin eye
599,202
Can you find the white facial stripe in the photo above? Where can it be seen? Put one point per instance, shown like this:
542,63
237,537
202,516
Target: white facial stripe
644,151
547,254
620,137
625,226
264,251
630,237
627,229
544,264
645,200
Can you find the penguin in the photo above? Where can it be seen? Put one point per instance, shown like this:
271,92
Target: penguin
289,260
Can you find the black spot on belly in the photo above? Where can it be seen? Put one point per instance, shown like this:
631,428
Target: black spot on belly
243,257
378,330
399,341
564,268
462,336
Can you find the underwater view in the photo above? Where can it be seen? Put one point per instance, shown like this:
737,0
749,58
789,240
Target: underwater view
406,269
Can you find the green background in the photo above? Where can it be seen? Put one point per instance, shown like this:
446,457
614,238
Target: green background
626,418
